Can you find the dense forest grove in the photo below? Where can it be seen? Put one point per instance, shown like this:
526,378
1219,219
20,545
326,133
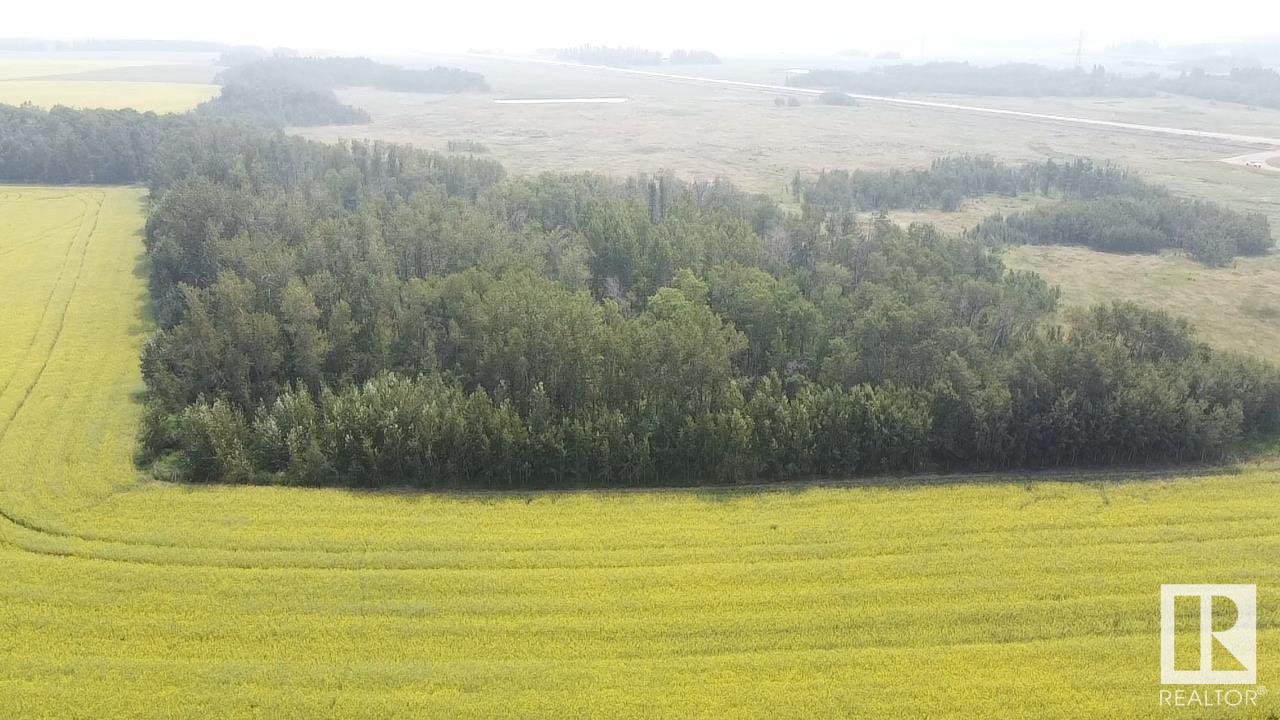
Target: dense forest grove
298,91
367,314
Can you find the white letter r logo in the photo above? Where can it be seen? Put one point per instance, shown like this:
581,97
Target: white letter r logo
1240,640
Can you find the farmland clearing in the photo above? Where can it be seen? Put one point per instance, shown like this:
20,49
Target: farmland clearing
145,96
157,84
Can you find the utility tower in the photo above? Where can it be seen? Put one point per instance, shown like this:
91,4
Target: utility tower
1080,51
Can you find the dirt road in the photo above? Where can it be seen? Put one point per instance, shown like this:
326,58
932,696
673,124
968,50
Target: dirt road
1265,160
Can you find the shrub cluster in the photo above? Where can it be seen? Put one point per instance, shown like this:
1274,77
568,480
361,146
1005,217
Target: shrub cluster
1104,208
1248,85
1207,231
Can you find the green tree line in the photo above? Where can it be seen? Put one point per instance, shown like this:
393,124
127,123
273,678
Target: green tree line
1206,231
1103,207
1249,86
1257,86
948,181
366,314
962,78
298,91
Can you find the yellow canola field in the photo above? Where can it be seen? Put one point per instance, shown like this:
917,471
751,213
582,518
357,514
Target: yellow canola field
160,97
124,597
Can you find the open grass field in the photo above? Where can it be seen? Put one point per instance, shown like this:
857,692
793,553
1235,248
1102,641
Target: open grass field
702,131
1236,307
1007,597
970,213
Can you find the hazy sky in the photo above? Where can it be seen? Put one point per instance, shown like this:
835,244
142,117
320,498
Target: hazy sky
391,26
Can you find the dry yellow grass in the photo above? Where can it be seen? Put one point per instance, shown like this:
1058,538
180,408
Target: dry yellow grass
972,212
1236,308
1011,597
